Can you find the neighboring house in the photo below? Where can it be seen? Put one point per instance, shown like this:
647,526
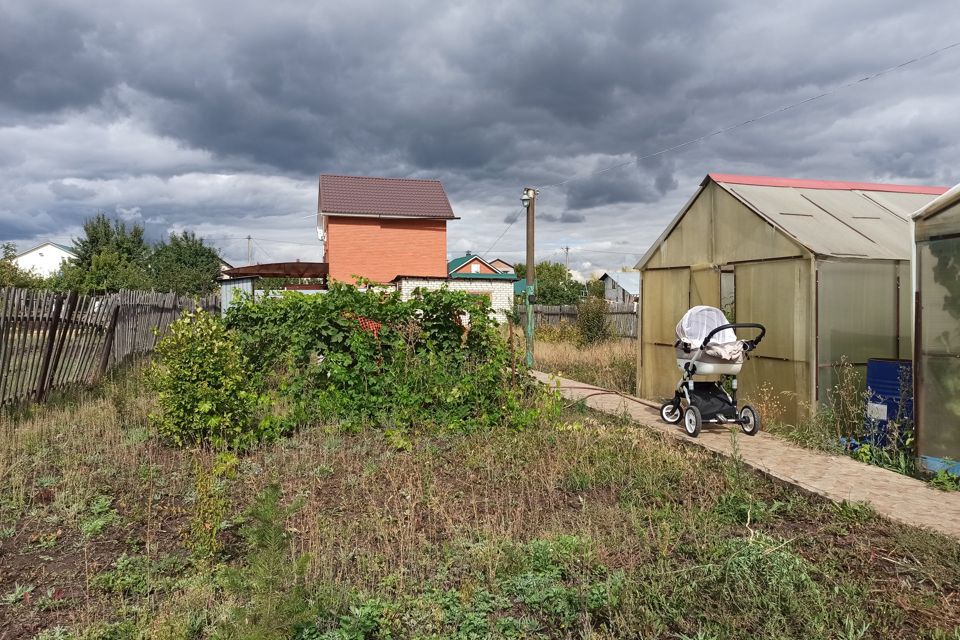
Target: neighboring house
621,286
45,259
470,263
824,265
502,266
381,228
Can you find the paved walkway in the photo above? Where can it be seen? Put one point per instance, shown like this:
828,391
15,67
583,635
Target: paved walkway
893,495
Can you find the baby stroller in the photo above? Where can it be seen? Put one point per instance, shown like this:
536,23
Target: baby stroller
707,345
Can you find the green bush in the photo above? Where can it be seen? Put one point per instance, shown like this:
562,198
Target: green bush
437,361
205,389
593,326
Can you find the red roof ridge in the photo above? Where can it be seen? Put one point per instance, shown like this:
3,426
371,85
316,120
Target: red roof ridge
803,183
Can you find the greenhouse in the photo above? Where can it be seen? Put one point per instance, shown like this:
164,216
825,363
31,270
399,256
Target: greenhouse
825,265
937,354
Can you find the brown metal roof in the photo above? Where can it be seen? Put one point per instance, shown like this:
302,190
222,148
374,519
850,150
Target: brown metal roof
280,270
383,197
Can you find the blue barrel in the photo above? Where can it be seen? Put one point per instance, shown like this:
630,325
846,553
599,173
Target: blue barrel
891,397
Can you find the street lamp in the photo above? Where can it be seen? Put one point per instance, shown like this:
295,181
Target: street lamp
529,200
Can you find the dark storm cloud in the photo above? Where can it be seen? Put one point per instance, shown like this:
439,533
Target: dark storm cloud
219,115
65,191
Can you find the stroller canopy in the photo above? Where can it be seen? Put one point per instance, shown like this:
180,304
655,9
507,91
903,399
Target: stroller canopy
700,321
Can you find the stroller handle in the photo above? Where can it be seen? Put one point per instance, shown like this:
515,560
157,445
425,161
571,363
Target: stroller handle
752,344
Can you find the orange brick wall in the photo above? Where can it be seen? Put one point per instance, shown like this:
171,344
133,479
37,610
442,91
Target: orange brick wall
381,249
467,267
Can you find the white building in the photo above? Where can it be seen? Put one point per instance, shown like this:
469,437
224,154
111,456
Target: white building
498,290
45,259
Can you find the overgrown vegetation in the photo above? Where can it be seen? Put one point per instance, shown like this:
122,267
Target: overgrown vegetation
580,527
842,426
593,326
611,364
359,358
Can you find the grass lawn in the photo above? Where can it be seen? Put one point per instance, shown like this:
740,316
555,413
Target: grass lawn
589,528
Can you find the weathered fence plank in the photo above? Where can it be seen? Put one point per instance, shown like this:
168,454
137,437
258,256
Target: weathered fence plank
51,341
622,316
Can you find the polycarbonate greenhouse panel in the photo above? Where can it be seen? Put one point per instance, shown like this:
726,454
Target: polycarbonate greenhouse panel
939,358
665,298
889,231
858,309
741,235
777,295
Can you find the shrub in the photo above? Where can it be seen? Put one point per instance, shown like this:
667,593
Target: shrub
204,386
563,331
369,358
592,323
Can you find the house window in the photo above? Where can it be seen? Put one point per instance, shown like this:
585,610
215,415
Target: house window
482,294
475,268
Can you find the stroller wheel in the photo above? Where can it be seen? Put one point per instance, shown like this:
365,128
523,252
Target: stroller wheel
692,421
670,413
749,420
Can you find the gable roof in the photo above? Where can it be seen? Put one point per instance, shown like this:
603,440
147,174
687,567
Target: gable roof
934,207
629,281
383,197
456,263
62,247
828,218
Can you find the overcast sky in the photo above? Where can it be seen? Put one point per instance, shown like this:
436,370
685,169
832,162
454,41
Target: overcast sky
220,116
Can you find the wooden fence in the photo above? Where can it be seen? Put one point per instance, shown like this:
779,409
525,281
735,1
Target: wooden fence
51,341
622,316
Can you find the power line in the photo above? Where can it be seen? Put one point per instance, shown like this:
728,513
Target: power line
788,107
512,222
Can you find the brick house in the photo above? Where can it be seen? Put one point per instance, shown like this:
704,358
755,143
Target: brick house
470,263
381,228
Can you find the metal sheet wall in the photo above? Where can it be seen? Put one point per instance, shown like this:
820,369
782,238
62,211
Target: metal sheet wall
230,289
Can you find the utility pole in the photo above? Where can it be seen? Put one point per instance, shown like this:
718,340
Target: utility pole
529,200
566,258
249,250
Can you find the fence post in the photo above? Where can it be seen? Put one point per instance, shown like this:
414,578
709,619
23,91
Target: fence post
108,343
41,389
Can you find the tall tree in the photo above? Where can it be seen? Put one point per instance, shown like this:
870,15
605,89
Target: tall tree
101,234
185,265
109,257
555,285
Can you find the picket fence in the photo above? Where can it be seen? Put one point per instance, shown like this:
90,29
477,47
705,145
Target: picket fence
51,340
622,316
